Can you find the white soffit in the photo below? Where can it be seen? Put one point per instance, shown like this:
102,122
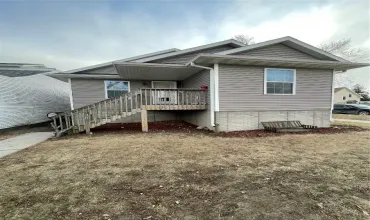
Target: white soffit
145,71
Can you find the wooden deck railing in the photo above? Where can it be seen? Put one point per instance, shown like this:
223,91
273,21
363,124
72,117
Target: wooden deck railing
109,110
93,115
180,99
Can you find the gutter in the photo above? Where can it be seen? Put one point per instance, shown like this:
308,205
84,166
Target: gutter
212,90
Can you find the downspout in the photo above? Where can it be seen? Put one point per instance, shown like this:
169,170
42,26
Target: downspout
212,90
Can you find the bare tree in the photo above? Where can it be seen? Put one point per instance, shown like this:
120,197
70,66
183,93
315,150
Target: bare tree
343,79
344,48
245,39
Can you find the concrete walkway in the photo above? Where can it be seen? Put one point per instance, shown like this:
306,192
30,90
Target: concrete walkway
349,120
14,144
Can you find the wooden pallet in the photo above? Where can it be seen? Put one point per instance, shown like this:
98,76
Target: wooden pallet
287,126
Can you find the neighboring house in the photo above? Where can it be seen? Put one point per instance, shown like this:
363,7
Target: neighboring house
277,80
344,95
27,95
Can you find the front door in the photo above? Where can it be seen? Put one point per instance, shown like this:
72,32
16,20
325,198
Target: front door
161,97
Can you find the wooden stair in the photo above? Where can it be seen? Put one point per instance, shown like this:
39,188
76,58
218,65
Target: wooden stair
97,114
143,100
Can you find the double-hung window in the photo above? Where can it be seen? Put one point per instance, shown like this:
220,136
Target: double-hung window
280,81
116,88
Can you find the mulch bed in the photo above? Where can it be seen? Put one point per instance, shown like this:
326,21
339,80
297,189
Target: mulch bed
184,127
263,133
154,127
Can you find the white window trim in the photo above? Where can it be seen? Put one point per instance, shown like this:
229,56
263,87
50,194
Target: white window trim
105,87
174,82
265,81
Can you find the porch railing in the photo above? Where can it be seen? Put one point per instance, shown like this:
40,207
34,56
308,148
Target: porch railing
173,97
110,110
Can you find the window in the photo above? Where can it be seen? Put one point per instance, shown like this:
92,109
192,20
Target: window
344,98
116,88
349,95
280,81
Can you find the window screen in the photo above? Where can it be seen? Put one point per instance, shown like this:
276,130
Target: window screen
279,81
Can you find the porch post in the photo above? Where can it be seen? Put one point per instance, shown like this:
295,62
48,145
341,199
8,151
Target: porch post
212,96
144,120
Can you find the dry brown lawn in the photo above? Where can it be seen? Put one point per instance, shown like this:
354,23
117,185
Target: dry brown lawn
351,124
352,117
189,176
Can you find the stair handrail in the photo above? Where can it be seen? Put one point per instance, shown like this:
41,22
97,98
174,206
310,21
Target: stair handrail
63,127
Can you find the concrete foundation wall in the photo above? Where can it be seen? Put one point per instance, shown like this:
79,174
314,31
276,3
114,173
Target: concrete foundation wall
152,117
237,121
199,118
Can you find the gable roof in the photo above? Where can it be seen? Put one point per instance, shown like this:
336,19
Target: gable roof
122,60
232,42
337,89
159,55
291,42
340,88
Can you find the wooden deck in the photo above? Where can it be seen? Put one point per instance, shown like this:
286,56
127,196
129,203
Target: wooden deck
173,99
143,100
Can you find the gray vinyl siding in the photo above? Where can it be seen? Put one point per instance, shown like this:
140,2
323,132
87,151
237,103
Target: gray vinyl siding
197,80
200,118
185,58
241,88
108,70
89,91
278,51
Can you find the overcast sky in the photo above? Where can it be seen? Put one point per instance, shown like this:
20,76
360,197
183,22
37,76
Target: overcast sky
68,35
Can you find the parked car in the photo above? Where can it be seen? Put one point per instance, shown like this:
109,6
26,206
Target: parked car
354,109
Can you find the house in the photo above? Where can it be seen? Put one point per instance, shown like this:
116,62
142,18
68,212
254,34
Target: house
27,95
344,95
224,86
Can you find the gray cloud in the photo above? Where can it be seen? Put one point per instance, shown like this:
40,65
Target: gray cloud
76,37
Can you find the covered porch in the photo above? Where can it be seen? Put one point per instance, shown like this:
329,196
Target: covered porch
136,92
167,90
169,87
